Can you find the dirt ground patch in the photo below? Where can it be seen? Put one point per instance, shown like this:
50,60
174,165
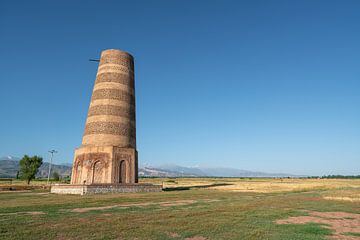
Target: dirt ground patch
177,203
196,238
82,210
173,235
346,199
35,213
26,213
342,223
162,204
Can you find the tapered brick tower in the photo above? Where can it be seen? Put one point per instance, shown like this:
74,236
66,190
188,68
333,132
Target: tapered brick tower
108,151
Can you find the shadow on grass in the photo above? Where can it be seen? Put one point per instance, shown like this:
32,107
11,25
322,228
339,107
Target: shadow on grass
195,187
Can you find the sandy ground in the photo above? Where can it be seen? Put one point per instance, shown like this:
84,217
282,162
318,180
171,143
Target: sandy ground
342,223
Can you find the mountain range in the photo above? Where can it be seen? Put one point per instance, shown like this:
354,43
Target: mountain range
9,166
180,171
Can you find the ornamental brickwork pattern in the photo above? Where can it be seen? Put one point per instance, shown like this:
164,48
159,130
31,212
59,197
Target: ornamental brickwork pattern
115,94
112,110
113,128
123,79
123,60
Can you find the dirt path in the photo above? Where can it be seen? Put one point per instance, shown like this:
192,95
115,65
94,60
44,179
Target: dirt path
26,213
344,224
162,204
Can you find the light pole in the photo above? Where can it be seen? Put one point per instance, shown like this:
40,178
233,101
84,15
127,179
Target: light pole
51,158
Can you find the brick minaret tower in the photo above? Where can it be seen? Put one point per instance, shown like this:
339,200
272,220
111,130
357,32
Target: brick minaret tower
108,151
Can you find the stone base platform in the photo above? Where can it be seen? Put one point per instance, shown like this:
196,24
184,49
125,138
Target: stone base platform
104,188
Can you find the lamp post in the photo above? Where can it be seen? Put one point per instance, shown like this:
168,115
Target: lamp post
51,158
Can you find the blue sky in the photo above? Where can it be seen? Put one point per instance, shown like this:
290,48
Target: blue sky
259,85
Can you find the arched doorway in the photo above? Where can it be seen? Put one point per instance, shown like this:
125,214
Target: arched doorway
97,172
122,171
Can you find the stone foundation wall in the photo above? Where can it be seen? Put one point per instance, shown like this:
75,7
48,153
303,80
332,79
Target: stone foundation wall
73,189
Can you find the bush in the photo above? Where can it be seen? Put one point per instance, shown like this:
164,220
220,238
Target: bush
56,176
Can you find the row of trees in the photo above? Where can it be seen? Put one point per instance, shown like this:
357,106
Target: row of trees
337,177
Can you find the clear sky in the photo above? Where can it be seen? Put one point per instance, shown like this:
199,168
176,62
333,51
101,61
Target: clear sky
259,85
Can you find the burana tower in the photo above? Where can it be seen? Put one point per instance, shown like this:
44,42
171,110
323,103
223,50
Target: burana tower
107,160
108,150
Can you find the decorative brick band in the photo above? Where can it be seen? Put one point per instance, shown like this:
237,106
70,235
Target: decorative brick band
116,94
113,128
123,60
116,53
112,110
105,68
115,77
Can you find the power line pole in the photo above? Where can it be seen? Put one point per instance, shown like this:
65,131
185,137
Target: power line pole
51,158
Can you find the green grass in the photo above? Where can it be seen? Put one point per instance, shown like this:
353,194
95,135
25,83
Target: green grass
233,215
353,234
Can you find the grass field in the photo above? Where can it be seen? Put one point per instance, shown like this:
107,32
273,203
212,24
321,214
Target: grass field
198,208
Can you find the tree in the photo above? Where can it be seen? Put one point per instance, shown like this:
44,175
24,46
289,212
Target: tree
56,176
29,166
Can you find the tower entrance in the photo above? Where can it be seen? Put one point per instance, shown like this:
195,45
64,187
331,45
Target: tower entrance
97,172
122,171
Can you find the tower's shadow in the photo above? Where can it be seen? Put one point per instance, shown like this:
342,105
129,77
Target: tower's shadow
195,187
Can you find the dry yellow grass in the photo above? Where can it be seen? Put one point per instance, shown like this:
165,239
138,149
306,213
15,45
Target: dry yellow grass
258,185
348,195
19,182
286,185
341,189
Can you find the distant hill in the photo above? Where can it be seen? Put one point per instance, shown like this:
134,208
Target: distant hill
10,165
158,172
8,168
175,170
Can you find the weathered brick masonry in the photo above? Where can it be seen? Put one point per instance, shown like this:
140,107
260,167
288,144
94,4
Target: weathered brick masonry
108,151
